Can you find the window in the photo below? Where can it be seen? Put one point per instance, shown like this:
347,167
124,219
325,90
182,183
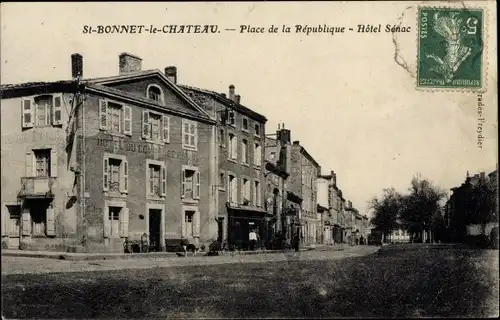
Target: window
257,155
115,174
155,127
114,221
244,125
244,151
190,183
245,191
156,178
257,129
14,220
272,155
256,194
155,93
232,147
115,118
191,222
41,111
232,188
222,140
222,181
42,159
232,118
188,220
116,218
189,135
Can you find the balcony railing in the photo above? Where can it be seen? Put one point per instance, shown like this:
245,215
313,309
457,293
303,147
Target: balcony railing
36,187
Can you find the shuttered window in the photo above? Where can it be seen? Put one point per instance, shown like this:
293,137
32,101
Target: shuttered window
43,110
42,160
190,183
115,174
115,117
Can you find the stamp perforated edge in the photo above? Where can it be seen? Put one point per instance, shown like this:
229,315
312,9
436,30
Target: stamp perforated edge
484,55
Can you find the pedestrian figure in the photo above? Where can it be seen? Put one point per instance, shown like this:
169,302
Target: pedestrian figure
252,237
296,241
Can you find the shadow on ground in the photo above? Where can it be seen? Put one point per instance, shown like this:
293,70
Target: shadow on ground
396,283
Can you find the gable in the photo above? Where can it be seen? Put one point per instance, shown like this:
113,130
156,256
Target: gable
138,84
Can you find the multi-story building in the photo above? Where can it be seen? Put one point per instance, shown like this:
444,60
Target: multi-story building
92,162
240,159
283,203
351,214
301,184
327,207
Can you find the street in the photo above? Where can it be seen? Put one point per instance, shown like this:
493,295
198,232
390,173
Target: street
398,281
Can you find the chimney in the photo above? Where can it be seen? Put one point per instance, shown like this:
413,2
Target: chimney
237,98
334,178
129,63
349,204
482,175
76,66
171,74
231,92
296,143
223,94
283,136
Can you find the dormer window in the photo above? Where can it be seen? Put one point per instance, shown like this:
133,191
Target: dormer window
155,93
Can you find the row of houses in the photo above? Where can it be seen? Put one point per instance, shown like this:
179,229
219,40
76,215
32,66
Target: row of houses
88,163
472,209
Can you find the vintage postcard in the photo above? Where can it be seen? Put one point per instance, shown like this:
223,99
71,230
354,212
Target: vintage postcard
249,159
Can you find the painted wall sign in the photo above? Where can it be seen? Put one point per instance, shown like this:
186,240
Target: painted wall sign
120,144
33,136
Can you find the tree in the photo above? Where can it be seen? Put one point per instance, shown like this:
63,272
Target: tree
421,206
483,205
386,212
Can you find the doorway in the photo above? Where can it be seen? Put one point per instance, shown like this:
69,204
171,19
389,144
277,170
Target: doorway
155,229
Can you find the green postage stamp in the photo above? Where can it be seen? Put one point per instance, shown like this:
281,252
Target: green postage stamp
450,48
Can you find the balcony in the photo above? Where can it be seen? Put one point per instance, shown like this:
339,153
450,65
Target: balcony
37,187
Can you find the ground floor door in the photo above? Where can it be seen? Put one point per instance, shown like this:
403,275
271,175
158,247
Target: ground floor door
155,229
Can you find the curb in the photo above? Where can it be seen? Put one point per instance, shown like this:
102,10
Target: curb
124,256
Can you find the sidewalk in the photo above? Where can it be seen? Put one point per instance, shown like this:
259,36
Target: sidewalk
12,265
119,256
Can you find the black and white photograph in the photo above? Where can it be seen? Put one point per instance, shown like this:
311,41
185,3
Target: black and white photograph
248,160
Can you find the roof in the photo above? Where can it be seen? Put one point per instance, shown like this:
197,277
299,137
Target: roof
99,85
226,101
307,154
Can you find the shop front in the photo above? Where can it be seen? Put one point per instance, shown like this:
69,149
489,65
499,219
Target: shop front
242,220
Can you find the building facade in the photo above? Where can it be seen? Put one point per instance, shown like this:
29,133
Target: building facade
128,156
240,159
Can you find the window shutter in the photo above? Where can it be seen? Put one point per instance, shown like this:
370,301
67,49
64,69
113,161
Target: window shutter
105,174
229,189
145,125
107,222
183,179
26,223
166,129
242,191
57,110
149,190
53,163
197,185
183,224
27,111
163,180
124,180
51,225
196,224
124,222
127,120
103,114
5,221
184,133
194,135
29,164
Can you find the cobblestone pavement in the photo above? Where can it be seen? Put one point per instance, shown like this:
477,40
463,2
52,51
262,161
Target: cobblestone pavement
22,265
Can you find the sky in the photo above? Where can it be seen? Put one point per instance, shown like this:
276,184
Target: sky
343,96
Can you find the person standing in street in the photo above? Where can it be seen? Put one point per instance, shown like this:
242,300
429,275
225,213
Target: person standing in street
296,240
252,238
